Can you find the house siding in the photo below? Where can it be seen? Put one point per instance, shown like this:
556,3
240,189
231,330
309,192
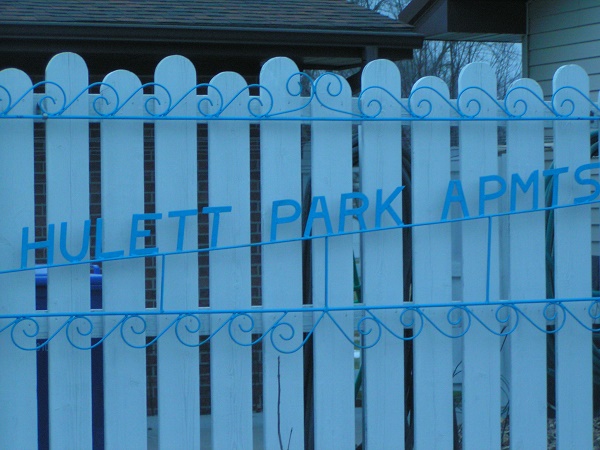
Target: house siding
563,32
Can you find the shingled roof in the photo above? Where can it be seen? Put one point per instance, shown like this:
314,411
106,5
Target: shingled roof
318,33
296,14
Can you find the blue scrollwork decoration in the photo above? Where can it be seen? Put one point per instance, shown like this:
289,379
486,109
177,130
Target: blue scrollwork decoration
371,104
285,331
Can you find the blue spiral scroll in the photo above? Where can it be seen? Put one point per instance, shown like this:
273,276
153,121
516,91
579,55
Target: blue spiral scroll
452,320
52,103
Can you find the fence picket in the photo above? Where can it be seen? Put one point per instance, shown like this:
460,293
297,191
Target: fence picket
70,390
331,176
525,277
381,262
282,263
572,271
176,189
230,288
18,416
430,176
481,354
123,286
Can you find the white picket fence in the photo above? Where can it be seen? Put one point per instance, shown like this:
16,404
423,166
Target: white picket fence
502,257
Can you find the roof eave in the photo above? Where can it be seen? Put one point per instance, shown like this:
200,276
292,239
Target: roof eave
467,19
247,35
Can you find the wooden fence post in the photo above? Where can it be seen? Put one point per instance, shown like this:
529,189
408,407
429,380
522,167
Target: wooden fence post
380,156
176,156
331,176
480,271
572,259
18,416
230,288
526,274
432,276
123,287
67,144
280,163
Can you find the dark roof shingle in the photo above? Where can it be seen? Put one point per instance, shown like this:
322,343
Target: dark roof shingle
295,14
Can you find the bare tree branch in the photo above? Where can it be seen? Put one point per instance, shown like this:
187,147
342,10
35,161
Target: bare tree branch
445,59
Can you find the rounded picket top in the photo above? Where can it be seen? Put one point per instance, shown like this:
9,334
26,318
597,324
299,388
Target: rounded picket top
174,86
525,98
228,96
380,89
570,74
67,63
16,92
280,86
476,73
275,67
180,65
120,95
571,91
477,91
279,60
383,71
429,98
66,83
